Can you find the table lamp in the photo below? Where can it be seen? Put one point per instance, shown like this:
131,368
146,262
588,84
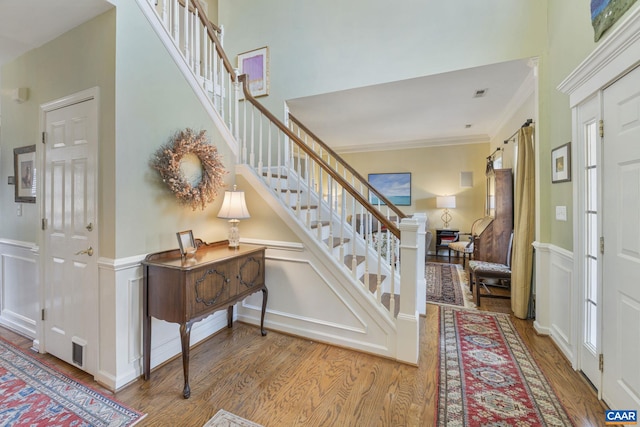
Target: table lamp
234,209
446,203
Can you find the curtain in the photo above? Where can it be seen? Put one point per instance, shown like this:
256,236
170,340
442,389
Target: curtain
523,224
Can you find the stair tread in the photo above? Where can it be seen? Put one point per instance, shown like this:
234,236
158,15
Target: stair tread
274,175
386,298
348,259
373,281
305,207
336,242
316,224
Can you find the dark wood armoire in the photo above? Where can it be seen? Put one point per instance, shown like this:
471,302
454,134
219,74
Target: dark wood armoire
492,244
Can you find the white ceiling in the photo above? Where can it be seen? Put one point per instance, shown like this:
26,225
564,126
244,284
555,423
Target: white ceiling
27,24
431,110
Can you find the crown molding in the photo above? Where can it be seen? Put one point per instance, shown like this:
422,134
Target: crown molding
406,145
616,54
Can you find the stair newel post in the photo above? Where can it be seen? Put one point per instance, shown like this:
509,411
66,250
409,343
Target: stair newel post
244,129
412,269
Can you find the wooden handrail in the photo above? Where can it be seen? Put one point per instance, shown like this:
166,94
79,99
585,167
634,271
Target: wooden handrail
348,167
313,155
192,9
212,31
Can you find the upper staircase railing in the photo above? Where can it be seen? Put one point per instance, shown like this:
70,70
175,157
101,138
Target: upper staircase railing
328,196
344,168
200,42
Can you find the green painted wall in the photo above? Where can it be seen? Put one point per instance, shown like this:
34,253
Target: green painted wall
79,59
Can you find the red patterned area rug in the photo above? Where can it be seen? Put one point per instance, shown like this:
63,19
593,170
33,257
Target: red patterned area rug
488,377
447,284
34,394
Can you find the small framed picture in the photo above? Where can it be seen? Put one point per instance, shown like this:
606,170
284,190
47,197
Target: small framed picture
255,64
24,171
186,242
561,163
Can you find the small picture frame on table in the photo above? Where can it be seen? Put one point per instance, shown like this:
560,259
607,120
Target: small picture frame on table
561,163
186,242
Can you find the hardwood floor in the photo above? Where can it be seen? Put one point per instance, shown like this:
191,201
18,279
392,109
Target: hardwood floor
280,380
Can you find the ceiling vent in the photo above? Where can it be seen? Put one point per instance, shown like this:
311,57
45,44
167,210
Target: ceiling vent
480,93
468,125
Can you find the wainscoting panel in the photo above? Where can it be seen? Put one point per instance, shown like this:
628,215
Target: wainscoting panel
121,316
556,298
310,300
19,288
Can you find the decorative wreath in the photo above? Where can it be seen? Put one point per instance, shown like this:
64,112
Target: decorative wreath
167,161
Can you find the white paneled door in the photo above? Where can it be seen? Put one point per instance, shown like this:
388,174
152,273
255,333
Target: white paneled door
70,281
621,227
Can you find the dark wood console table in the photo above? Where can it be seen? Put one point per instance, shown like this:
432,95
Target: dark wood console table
186,290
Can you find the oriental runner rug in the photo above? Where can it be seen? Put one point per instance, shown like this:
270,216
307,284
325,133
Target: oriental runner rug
488,377
447,284
226,419
34,394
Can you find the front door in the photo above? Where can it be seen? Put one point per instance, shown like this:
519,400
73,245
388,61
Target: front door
70,279
621,228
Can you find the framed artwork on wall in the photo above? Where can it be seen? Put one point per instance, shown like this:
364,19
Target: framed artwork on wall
561,163
255,64
24,171
394,186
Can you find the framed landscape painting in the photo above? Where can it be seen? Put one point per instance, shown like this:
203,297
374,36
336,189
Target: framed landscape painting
394,186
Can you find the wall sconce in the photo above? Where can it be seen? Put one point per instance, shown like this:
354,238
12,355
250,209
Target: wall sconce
234,209
446,203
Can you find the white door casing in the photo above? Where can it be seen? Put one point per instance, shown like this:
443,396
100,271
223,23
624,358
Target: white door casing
621,227
588,163
70,239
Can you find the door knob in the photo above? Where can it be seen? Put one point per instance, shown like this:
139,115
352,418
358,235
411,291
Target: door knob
86,251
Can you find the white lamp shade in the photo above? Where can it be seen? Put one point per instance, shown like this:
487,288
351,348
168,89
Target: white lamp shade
446,202
233,206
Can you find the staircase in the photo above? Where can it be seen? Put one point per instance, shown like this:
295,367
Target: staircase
325,202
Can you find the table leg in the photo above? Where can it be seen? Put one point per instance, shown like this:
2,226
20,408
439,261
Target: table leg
185,335
265,295
230,316
146,332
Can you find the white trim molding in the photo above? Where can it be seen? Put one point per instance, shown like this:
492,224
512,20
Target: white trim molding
19,306
556,301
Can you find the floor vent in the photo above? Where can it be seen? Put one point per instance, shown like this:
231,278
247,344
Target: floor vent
77,355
